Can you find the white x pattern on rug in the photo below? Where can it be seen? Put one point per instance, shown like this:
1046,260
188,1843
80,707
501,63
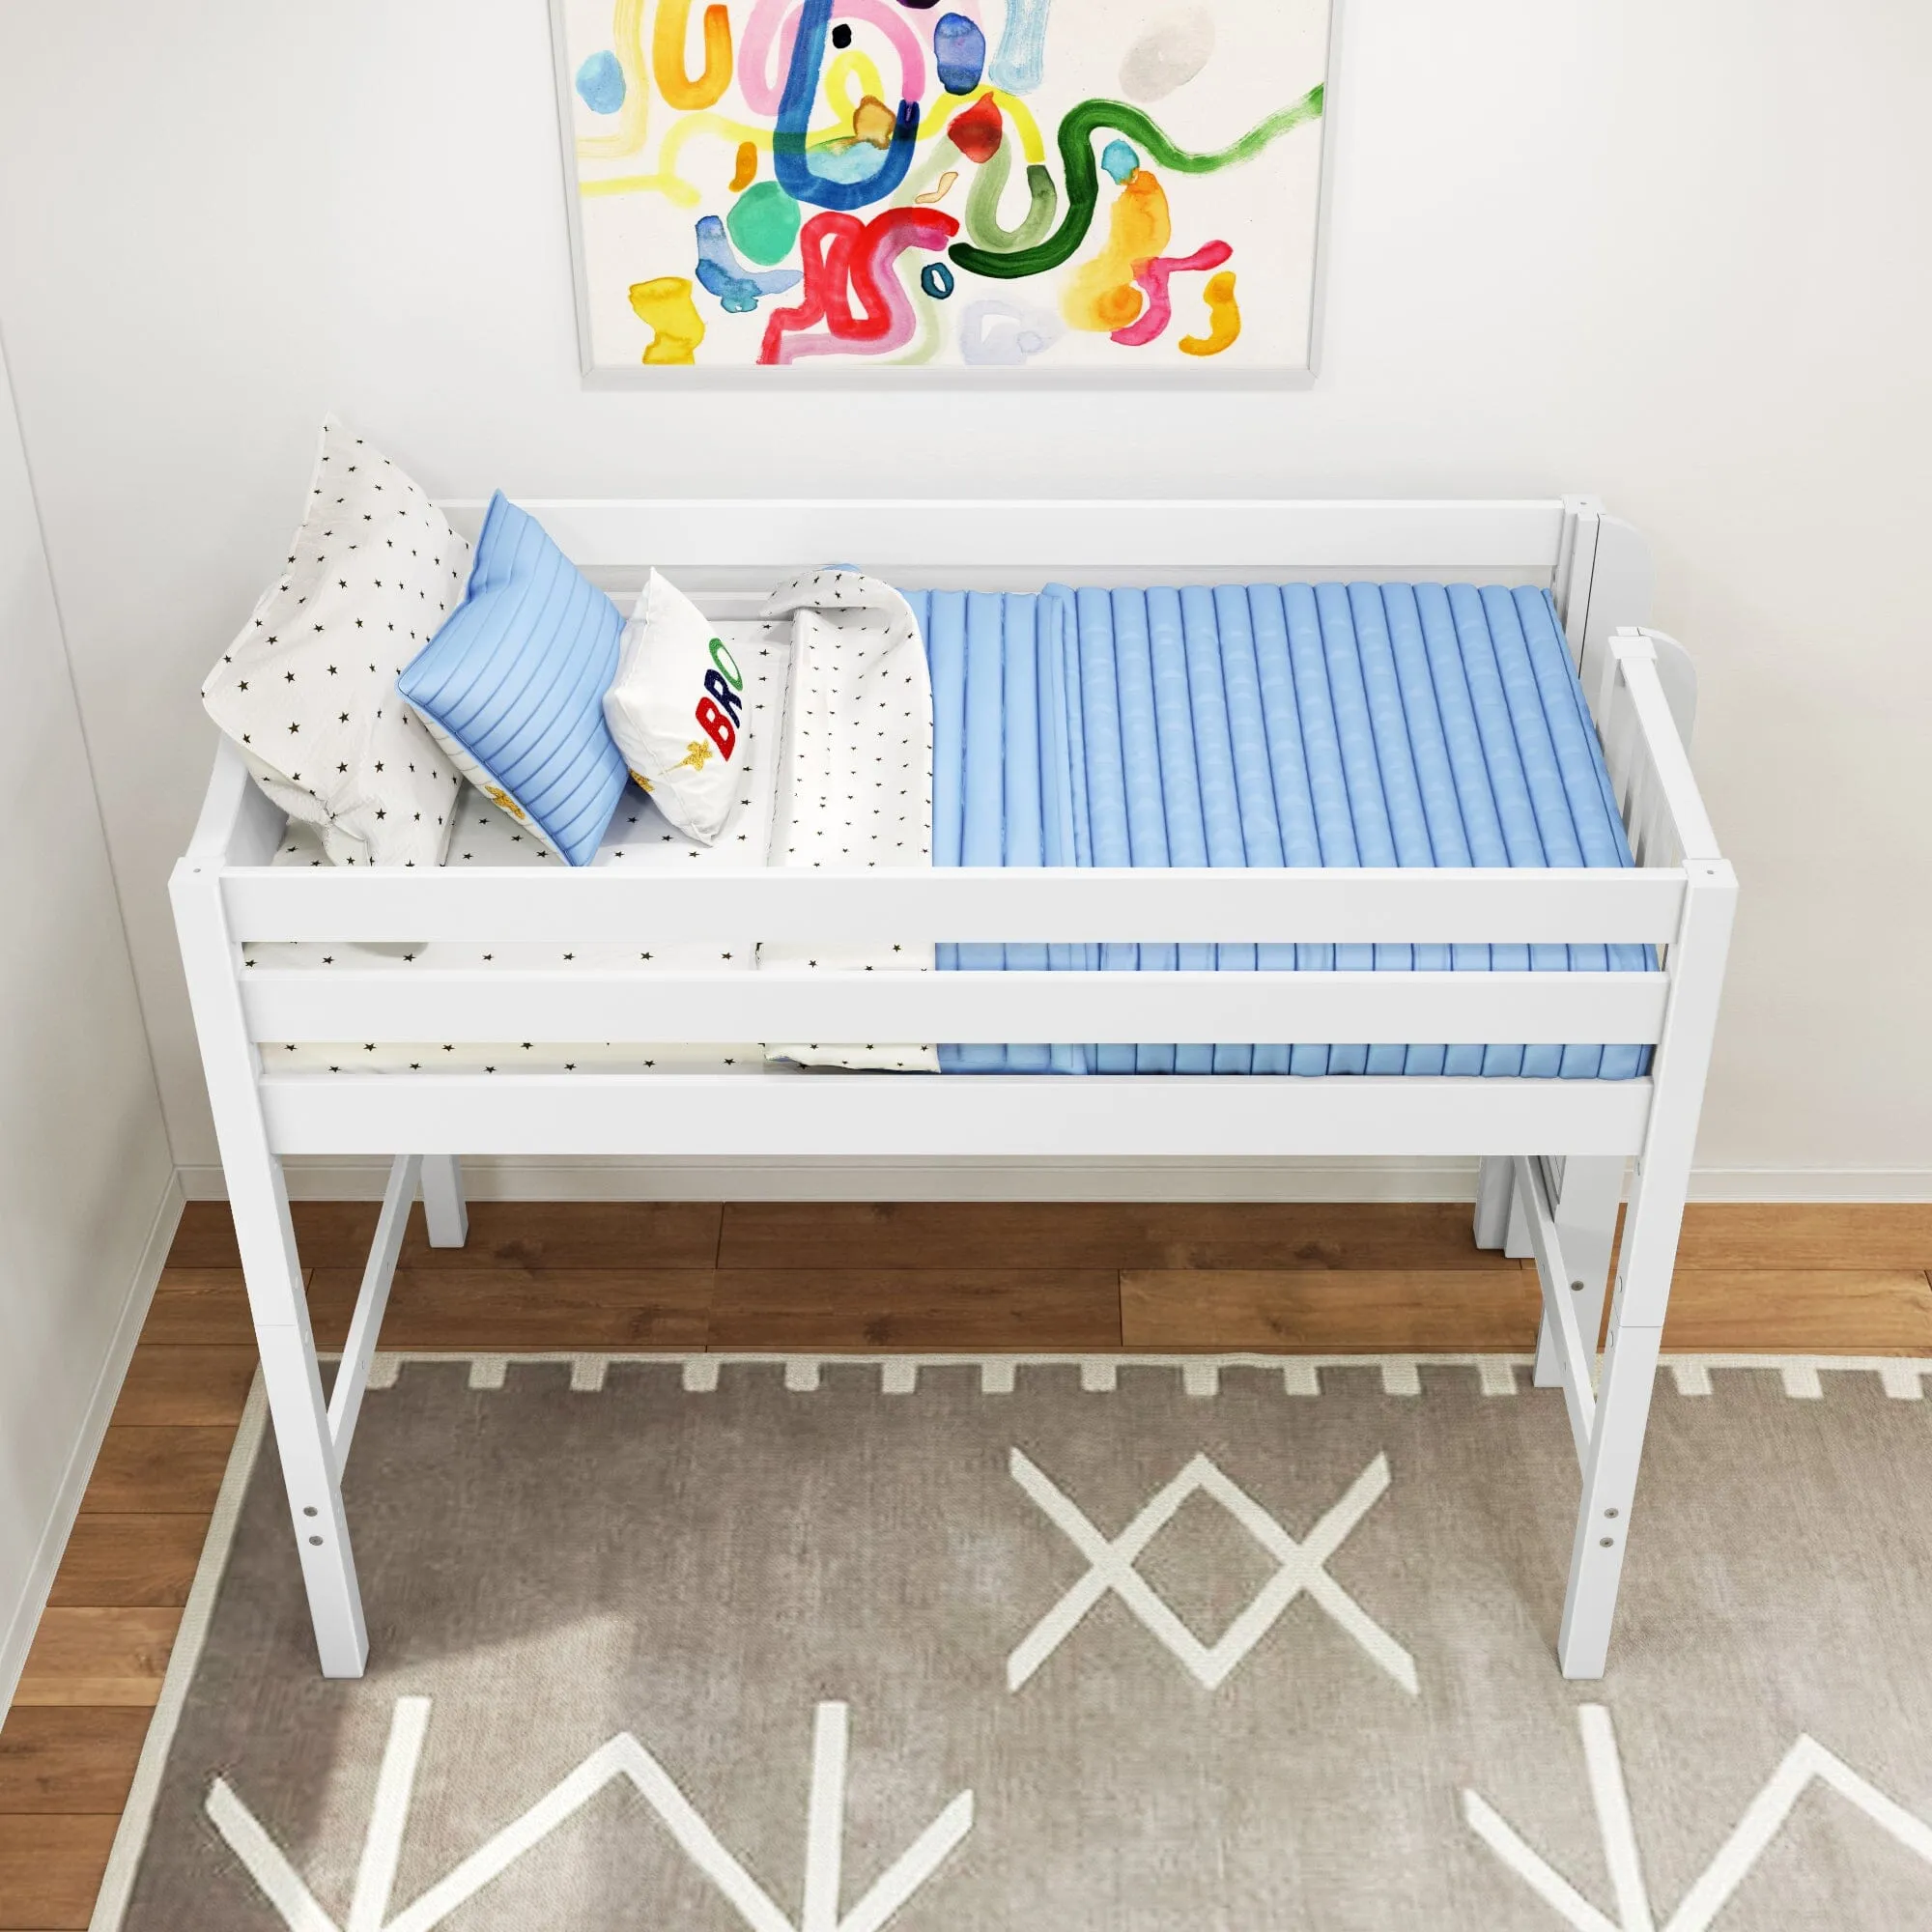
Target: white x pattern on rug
622,1757
1805,1762
1302,1566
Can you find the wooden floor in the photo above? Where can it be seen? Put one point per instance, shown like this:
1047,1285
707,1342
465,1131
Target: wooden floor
534,1276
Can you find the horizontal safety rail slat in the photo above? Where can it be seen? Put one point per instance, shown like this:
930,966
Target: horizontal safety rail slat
403,1004
775,1114
1272,540
603,905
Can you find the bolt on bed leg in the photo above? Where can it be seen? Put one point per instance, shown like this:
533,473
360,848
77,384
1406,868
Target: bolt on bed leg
445,1212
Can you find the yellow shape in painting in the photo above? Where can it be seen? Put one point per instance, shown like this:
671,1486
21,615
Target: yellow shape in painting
849,80
668,40
681,193
872,121
1102,296
747,170
1224,318
666,308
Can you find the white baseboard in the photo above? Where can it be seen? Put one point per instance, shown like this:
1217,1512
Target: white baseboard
1873,1185
690,1179
23,1616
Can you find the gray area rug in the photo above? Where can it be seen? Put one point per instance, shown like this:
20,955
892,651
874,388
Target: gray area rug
829,1646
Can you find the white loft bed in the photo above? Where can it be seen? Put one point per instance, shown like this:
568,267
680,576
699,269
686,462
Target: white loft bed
1554,1152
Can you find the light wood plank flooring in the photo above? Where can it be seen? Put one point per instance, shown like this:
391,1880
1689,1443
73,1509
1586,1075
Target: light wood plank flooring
1328,1279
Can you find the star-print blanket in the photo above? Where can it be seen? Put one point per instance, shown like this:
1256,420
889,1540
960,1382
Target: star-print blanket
855,777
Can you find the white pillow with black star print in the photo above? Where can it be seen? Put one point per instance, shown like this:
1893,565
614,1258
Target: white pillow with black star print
676,710
308,690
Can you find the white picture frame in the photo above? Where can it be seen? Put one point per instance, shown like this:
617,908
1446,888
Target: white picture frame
626,211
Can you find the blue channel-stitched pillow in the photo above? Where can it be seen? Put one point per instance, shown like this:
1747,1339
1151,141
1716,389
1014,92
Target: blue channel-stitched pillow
513,685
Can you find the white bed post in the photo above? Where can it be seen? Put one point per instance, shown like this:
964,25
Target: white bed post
1649,1255
259,1200
1493,1190
445,1217
1500,1220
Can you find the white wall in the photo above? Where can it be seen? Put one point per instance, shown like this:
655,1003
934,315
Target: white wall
1673,255
87,1192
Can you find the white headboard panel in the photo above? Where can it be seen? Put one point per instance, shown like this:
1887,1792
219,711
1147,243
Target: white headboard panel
1053,536
728,552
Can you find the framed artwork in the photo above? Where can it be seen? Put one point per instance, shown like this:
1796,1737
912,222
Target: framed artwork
1099,190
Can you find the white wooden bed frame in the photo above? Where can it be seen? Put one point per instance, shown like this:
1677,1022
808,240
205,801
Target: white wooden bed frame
1552,1151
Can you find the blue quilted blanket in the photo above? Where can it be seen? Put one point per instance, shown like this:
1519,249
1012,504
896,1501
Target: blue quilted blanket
1260,726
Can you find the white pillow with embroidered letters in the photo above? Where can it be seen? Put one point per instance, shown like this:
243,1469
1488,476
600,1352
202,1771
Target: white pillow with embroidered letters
308,690
676,710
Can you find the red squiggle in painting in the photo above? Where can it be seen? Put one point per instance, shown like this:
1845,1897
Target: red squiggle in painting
1153,276
844,258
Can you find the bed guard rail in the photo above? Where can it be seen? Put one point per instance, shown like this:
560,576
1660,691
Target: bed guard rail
1650,770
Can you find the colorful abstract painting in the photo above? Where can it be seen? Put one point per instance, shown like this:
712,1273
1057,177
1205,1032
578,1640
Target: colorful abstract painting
1108,185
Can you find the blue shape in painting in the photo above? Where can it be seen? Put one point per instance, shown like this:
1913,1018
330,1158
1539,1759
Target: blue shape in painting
795,175
958,52
736,287
936,279
855,161
1022,59
1120,160
600,83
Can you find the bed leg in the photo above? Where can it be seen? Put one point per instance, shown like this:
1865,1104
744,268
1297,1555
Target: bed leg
258,1198
445,1214
1493,1200
1645,1264
1586,1221
260,1202
1609,1487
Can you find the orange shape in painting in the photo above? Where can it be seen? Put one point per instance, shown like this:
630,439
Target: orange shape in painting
747,170
667,55
1102,296
1224,318
938,190
666,306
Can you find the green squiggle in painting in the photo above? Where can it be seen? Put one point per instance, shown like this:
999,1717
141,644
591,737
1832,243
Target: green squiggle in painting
983,203
1076,155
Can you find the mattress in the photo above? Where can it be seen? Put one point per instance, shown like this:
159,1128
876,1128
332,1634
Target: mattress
1386,724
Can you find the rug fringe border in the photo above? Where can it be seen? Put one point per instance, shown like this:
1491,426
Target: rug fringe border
1801,1375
